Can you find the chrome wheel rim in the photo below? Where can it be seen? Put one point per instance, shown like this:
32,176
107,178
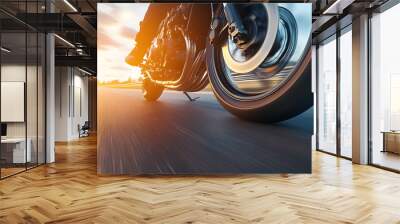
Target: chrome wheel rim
289,45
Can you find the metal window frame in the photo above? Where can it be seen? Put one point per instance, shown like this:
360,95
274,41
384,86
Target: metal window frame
386,6
336,38
381,9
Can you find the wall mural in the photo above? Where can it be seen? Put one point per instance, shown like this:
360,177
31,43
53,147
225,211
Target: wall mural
189,88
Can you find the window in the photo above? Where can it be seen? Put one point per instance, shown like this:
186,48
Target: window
346,93
385,89
327,96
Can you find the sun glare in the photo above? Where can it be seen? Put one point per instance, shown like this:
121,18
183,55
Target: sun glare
118,36
136,73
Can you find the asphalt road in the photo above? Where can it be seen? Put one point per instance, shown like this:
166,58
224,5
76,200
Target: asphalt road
176,136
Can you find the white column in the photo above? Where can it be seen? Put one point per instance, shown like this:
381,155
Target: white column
360,90
50,99
50,92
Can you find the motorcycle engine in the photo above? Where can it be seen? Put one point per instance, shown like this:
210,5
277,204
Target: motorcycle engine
166,56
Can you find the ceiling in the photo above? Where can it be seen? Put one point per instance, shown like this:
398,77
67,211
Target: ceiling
75,22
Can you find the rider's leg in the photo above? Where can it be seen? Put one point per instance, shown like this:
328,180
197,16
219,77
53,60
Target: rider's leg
156,12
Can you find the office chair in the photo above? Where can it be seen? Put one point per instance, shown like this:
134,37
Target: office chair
84,130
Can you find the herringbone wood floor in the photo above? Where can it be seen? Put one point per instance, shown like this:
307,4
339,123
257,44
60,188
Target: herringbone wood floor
69,191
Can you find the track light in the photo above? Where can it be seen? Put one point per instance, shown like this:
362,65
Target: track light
84,71
337,7
5,50
70,5
65,41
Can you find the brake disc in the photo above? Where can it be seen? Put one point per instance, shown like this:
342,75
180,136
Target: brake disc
264,23
279,39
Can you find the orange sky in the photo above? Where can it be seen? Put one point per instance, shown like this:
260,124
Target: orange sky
117,24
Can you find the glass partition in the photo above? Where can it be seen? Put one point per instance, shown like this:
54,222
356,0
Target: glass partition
14,153
22,77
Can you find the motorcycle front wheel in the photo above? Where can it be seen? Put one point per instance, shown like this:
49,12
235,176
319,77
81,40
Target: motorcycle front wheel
151,91
269,78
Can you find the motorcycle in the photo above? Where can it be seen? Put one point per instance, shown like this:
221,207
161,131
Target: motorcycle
255,56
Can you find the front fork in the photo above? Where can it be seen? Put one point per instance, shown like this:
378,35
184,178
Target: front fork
236,28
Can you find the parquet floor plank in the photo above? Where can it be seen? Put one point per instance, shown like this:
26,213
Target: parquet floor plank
70,191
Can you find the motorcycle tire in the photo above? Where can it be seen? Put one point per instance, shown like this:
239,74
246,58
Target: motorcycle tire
151,91
286,100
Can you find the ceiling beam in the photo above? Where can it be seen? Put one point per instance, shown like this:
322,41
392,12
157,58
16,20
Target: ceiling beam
337,7
84,24
79,61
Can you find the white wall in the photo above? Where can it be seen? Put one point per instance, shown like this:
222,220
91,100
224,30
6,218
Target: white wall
81,100
71,93
62,82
